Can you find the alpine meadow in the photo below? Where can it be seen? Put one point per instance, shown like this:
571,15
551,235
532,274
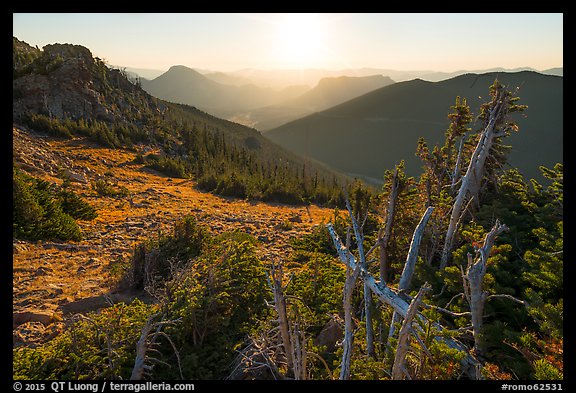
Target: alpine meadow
277,197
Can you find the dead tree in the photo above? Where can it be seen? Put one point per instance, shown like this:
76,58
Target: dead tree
292,335
280,306
358,232
144,363
256,360
473,279
408,271
399,367
388,296
470,182
352,273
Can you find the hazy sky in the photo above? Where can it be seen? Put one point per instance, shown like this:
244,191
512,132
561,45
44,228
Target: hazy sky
227,42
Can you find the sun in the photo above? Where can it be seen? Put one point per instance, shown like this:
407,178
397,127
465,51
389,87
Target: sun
301,40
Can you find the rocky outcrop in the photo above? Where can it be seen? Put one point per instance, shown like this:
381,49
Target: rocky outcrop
65,81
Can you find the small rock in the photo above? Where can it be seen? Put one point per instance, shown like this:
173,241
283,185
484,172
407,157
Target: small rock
76,177
295,218
264,238
44,317
42,270
18,247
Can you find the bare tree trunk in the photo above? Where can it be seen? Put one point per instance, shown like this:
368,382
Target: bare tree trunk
399,367
146,344
388,228
369,326
457,165
280,306
367,294
352,273
473,177
410,264
388,296
299,355
392,329
141,348
474,276
351,277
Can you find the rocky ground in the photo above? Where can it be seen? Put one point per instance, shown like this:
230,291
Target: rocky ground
52,281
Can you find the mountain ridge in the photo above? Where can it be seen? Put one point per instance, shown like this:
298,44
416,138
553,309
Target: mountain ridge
354,137
329,91
184,85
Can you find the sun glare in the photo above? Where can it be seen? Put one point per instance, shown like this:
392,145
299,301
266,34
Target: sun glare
300,40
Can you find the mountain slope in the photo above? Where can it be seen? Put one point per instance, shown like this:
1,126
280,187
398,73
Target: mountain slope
327,93
374,132
65,91
184,85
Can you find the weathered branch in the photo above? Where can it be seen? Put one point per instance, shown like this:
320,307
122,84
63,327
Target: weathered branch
388,296
411,258
404,335
145,344
509,297
280,306
440,309
408,270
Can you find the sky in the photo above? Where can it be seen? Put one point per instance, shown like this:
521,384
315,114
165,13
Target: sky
228,42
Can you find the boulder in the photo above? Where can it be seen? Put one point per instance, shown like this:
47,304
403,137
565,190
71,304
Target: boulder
330,334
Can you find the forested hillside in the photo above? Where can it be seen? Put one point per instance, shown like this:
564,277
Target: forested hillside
64,91
378,129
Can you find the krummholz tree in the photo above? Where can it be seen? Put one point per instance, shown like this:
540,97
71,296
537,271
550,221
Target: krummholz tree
497,125
384,237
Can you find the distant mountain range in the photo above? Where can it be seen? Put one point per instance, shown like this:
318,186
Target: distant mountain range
327,93
184,85
225,95
373,132
279,79
283,78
